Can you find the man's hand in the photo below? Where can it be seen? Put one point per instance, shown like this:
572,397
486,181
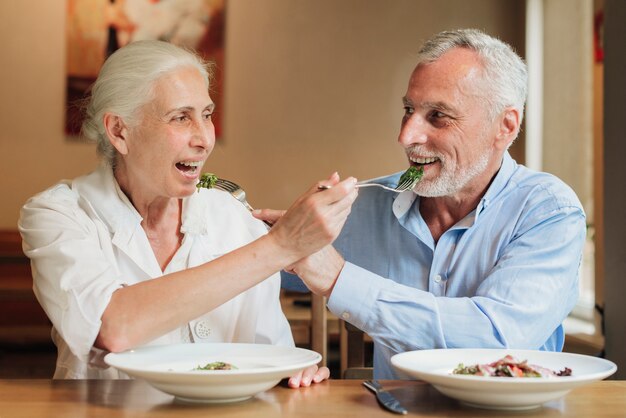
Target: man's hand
320,270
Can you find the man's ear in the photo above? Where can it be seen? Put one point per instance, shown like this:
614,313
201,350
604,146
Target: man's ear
508,128
116,131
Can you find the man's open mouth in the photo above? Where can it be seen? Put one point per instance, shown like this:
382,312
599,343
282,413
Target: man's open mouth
423,161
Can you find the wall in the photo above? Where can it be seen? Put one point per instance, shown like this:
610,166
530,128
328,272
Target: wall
311,86
568,95
614,177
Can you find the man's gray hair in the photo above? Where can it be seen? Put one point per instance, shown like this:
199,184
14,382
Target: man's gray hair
125,83
504,72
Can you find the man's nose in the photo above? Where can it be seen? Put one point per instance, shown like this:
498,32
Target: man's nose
413,130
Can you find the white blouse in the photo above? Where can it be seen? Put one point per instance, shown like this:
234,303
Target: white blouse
85,241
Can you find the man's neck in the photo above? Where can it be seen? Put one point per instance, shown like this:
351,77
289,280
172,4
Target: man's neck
442,213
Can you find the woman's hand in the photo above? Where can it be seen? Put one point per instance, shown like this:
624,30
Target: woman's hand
309,375
314,220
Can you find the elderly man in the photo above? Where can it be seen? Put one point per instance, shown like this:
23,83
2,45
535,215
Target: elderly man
483,252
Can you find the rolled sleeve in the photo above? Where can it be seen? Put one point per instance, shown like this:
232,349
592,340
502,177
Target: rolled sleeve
72,278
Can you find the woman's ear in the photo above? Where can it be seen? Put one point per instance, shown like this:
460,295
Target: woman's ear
117,132
509,127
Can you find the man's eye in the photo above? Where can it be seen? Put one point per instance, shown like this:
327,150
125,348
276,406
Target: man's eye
408,110
439,119
437,115
207,115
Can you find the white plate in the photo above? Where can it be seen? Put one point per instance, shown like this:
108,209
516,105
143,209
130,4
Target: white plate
170,368
435,367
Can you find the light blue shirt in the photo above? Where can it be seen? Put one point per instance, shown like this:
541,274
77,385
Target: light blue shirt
505,276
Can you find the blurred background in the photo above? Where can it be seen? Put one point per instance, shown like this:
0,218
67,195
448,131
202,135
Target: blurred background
310,87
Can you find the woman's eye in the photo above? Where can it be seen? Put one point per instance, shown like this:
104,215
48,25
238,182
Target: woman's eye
181,118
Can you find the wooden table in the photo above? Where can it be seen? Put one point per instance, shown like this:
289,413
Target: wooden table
334,398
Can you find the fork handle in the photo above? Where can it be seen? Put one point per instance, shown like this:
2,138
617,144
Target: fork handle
251,209
359,185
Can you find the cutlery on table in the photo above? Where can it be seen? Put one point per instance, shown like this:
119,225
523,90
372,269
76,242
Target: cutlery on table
385,398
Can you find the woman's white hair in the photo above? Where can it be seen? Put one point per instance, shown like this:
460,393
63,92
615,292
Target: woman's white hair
125,83
504,72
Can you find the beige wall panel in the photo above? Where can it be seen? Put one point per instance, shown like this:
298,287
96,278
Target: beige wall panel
311,86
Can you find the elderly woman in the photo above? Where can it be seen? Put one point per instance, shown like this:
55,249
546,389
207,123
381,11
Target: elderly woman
132,254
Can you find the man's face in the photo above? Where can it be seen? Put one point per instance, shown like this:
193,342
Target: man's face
446,128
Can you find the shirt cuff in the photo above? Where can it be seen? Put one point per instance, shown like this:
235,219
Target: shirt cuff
353,295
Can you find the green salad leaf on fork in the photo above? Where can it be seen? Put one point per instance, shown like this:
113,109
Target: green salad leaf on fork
207,181
410,177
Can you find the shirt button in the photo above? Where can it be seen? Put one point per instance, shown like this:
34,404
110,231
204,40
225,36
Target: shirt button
438,278
345,315
202,329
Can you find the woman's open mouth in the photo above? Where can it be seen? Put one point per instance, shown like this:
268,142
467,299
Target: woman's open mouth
189,168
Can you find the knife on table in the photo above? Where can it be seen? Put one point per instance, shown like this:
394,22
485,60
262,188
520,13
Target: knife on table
386,399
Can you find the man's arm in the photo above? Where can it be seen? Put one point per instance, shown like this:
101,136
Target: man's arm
519,303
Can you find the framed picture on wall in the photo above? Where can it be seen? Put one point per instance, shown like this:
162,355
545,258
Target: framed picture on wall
96,28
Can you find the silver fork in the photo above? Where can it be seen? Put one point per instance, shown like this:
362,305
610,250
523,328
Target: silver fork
237,192
405,185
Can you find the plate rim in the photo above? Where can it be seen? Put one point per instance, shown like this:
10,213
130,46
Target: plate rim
110,360
571,380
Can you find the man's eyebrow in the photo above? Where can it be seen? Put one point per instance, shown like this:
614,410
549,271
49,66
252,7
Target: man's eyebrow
441,106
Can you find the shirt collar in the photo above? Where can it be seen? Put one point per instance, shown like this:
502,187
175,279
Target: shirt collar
104,195
499,182
405,200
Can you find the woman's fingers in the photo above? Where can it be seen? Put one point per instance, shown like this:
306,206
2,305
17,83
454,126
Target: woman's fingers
322,374
294,381
270,215
311,374
315,219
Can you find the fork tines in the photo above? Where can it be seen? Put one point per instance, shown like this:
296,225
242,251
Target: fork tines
405,184
226,185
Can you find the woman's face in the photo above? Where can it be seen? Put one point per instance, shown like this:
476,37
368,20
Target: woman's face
174,135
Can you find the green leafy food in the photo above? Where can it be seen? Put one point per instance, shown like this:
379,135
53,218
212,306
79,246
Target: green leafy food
217,365
207,181
411,176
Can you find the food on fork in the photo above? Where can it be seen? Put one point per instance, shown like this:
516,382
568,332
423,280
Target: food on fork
207,181
411,176
508,366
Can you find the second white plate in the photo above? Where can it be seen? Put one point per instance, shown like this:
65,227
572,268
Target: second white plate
435,367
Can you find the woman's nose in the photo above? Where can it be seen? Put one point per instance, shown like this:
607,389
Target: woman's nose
204,134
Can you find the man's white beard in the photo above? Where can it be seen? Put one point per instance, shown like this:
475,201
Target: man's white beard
450,182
